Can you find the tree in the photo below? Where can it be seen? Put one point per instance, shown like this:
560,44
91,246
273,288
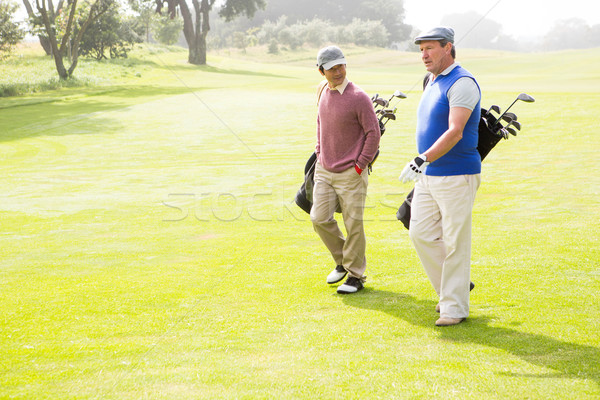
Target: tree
10,32
110,32
391,15
69,40
367,33
167,30
146,14
197,26
573,33
36,21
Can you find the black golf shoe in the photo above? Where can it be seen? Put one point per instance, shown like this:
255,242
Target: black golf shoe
352,285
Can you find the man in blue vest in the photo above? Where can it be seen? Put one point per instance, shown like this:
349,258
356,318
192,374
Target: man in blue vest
447,174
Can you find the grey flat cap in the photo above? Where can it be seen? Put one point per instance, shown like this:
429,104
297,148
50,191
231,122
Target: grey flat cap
329,57
438,33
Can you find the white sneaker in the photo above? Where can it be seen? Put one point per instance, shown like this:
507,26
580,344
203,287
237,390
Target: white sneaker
337,274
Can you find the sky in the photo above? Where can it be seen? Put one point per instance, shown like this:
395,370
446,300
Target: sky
519,18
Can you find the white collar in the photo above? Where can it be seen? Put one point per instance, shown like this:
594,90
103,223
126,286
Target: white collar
450,68
341,87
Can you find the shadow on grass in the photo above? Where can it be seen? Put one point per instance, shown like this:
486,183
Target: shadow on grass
570,360
45,116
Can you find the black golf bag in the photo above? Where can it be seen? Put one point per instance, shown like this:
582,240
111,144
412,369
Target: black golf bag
304,195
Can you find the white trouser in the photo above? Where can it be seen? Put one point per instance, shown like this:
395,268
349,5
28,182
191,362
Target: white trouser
440,229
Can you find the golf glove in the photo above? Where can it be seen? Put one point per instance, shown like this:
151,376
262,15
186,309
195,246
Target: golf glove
414,169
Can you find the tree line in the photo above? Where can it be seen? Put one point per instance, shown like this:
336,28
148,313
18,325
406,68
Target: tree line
95,28
68,29
72,28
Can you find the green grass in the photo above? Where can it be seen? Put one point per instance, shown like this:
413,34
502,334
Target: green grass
151,247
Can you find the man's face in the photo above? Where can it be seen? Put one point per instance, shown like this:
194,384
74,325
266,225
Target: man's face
435,57
335,75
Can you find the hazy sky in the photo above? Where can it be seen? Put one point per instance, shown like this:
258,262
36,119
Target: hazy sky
519,18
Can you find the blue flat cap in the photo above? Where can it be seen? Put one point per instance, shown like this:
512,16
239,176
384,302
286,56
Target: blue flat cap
438,33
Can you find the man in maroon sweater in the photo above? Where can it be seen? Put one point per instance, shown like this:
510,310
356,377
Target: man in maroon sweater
347,140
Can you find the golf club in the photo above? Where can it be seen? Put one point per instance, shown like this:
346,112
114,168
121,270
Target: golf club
380,102
389,116
514,123
494,108
399,95
523,97
502,130
386,110
498,124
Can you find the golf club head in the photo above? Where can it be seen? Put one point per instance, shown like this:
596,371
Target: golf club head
523,97
375,97
511,131
506,119
497,129
380,102
399,94
511,115
516,124
526,98
385,115
493,108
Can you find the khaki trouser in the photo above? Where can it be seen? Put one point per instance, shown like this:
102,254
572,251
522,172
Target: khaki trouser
349,190
440,229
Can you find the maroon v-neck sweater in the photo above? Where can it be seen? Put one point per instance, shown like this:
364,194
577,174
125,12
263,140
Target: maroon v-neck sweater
347,129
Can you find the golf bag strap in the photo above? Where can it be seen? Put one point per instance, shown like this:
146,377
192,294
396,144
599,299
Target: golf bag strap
426,80
322,87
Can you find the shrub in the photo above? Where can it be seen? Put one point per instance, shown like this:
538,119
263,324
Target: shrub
270,30
292,36
273,47
10,32
365,33
317,32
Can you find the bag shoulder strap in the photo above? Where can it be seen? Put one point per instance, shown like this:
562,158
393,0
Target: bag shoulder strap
426,80
320,90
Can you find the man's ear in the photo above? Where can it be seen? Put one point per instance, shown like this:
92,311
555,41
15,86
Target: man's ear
448,47
321,71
